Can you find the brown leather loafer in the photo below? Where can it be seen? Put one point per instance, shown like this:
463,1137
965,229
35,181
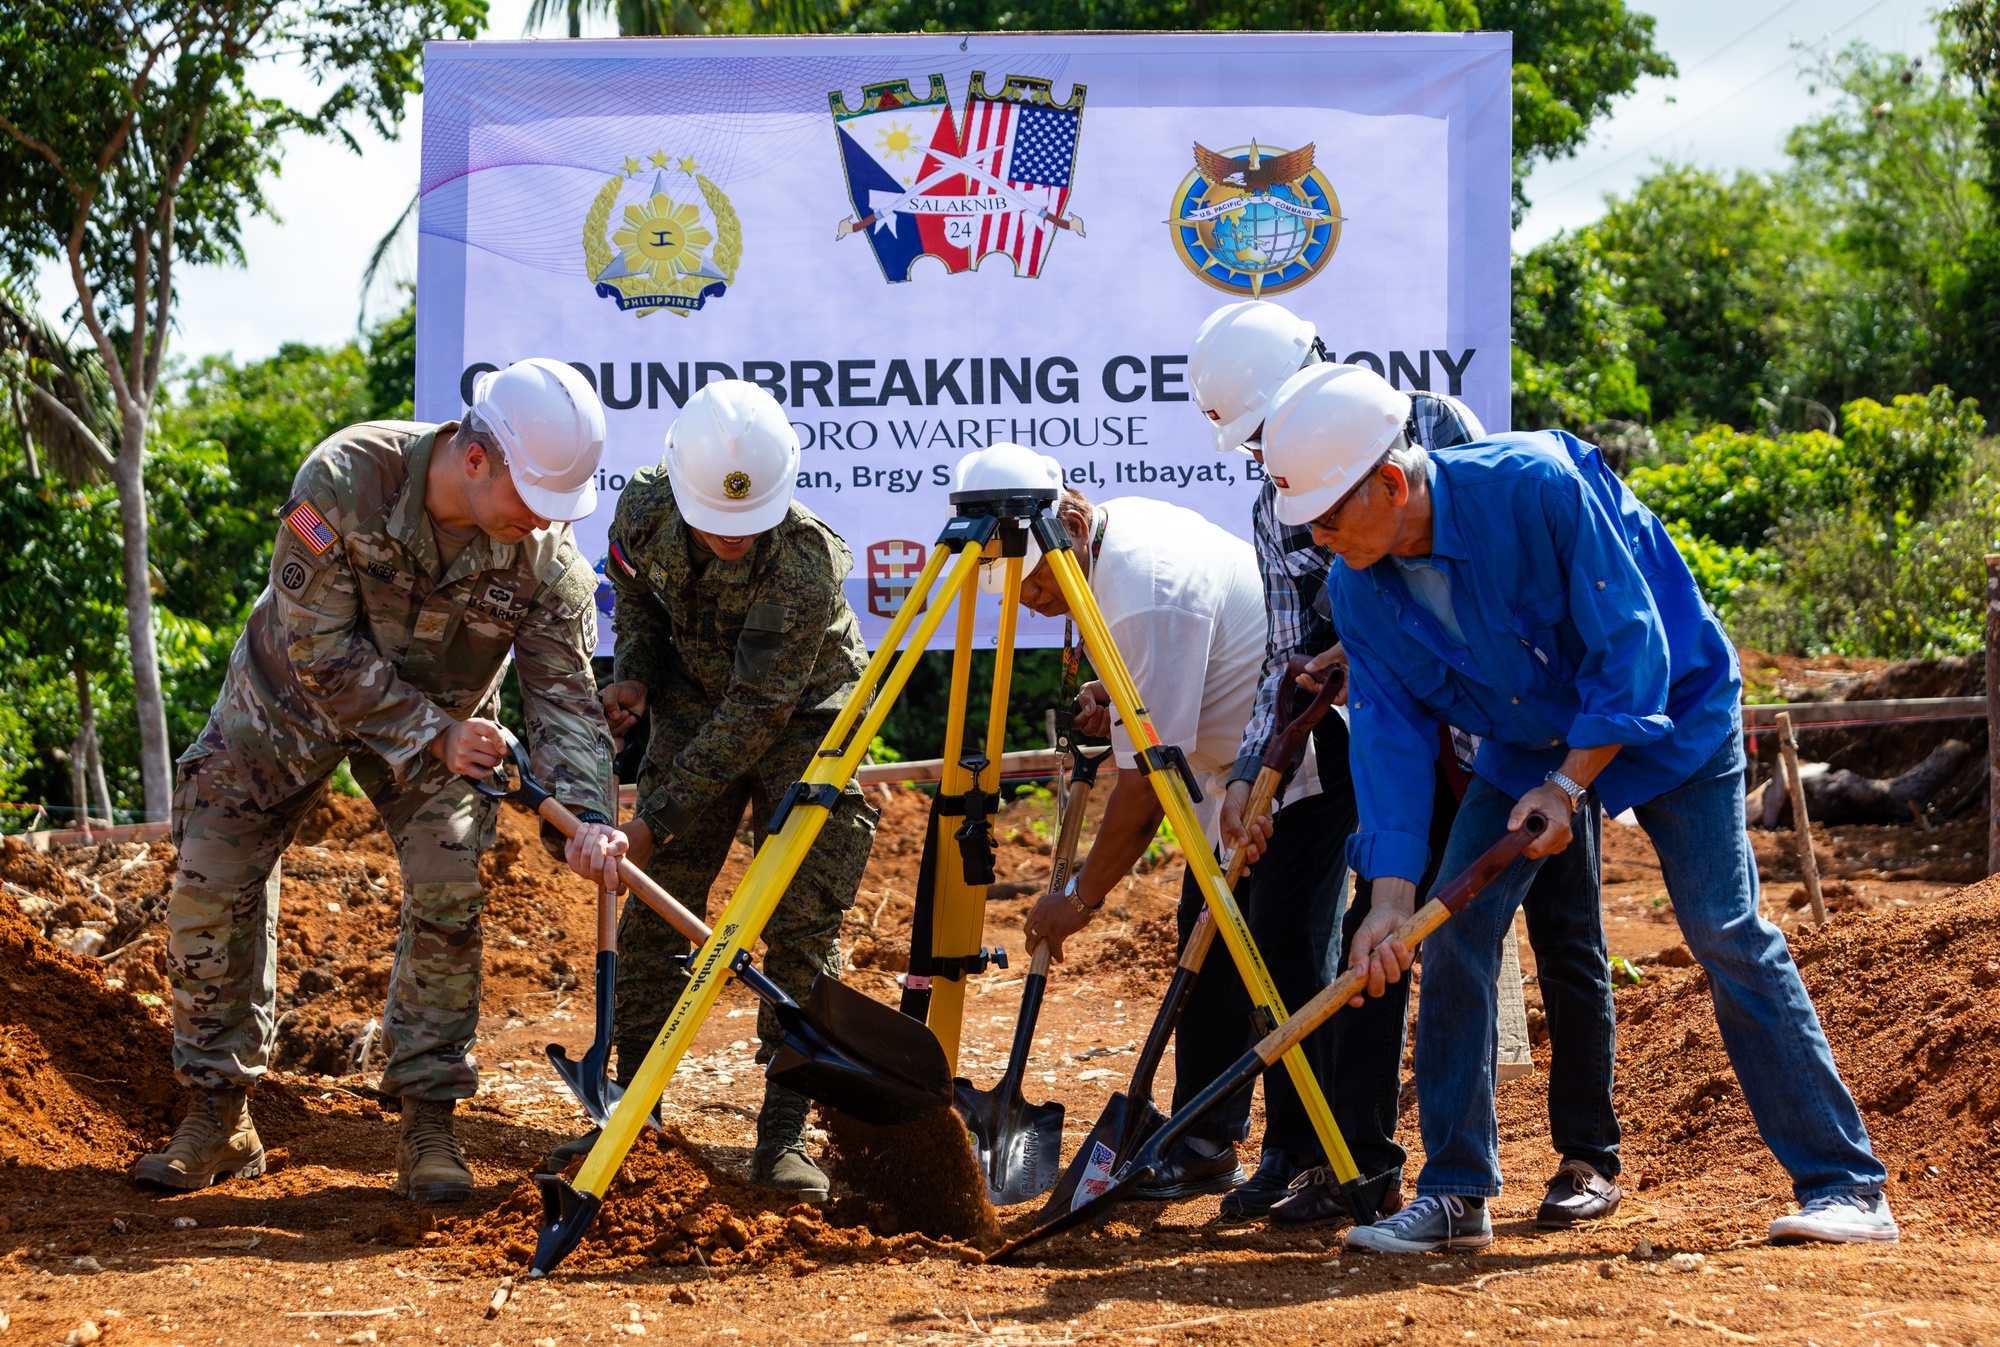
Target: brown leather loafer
1578,1193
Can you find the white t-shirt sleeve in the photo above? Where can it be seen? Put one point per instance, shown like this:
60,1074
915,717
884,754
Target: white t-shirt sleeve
1166,652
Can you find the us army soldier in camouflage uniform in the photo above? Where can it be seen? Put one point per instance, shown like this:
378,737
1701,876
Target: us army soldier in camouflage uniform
733,628
412,559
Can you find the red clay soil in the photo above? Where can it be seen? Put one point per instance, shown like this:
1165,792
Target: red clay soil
1907,999
84,1073
670,1206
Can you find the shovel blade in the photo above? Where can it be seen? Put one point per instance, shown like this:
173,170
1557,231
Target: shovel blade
855,1054
1120,1131
1019,1145
588,1080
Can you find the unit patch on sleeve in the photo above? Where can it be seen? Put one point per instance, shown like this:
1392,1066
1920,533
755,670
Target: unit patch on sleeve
311,528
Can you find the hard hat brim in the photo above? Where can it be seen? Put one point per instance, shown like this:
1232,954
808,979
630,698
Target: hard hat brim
730,523
993,575
1233,433
1306,506
564,507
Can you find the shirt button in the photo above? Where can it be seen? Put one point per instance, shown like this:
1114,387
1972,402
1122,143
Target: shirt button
1554,742
1517,701
1600,584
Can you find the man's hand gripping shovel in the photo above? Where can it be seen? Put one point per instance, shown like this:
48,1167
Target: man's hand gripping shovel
1452,898
1130,1116
840,1047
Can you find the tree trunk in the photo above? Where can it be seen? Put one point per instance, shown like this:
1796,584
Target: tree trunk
148,702
79,789
87,740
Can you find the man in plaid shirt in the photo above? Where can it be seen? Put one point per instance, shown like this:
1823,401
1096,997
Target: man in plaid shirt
1241,355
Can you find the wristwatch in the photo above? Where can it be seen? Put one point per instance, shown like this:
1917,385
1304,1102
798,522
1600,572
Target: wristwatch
1569,788
1069,896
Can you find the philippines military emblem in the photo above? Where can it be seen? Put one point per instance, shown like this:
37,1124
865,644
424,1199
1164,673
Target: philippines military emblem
668,242
995,179
1255,220
893,567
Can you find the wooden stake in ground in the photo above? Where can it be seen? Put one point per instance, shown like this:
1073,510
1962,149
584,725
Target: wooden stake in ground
1788,749
1993,715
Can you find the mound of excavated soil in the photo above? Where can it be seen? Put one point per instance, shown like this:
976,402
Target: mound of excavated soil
1908,1001
670,1206
85,1075
921,1176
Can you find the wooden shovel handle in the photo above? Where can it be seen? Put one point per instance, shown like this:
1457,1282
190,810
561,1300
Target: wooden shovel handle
641,883
1234,863
1038,963
1451,898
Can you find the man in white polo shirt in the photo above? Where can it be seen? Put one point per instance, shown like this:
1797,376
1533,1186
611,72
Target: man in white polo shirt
1185,604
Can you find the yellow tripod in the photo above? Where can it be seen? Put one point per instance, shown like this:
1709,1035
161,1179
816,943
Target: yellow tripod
985,522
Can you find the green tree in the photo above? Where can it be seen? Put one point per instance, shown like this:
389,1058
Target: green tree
1572,58
1704,265
1732,488
130,142
1574,339
1886,189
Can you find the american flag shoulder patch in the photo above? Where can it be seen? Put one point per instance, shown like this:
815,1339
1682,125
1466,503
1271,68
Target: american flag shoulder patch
311,527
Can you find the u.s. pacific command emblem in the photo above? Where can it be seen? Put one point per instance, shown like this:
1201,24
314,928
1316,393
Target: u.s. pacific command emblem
1255,220
676,244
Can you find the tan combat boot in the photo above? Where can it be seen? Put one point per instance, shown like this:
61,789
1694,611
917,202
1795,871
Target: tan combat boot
429,1165
216,1140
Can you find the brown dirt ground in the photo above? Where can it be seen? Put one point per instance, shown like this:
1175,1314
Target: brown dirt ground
1903,978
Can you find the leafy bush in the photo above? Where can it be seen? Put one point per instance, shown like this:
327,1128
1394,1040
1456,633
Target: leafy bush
1732,488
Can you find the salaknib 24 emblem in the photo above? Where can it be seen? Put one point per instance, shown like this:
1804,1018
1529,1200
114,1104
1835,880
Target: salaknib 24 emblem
925,184
1255,220
673,247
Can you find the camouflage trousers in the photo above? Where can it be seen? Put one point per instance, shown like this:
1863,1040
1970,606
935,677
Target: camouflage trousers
801,940
223,914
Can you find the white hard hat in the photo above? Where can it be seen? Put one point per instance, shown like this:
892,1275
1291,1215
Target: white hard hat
1242,354
1001,467
733,459
1327,429
550,425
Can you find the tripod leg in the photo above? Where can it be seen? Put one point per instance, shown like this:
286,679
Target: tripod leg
952,895
771,870
961,907
1173,794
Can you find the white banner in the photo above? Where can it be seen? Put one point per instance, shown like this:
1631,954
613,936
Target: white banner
927,244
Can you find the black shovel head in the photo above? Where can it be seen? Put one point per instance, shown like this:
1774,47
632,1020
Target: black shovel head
1117,1131
1019,1144
851,1052
1140,1168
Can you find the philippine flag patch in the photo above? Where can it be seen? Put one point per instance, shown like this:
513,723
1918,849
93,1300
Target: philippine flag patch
618,555
311,528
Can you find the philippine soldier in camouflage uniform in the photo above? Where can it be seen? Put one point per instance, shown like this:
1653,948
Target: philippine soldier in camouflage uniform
412,559
733,628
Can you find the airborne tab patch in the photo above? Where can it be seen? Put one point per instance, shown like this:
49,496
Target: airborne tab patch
311,528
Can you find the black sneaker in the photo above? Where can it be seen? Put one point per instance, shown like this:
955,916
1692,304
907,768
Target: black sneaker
1276,1169
1186,1172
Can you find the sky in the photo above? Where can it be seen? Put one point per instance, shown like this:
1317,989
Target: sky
1741,88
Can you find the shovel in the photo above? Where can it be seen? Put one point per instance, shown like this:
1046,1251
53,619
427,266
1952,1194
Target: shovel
1452,898
589,1078
840,1047
1130,1116
1019,1144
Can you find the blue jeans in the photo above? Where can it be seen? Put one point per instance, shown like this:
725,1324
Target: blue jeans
1768,1025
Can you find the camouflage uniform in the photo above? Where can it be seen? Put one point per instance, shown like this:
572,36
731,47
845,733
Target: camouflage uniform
746,663
365,646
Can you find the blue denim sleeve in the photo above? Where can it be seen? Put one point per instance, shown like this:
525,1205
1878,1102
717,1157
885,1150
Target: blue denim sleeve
1623,679
1392,745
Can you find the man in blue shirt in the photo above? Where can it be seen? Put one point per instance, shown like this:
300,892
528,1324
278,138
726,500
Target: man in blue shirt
1517,589
1240,358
